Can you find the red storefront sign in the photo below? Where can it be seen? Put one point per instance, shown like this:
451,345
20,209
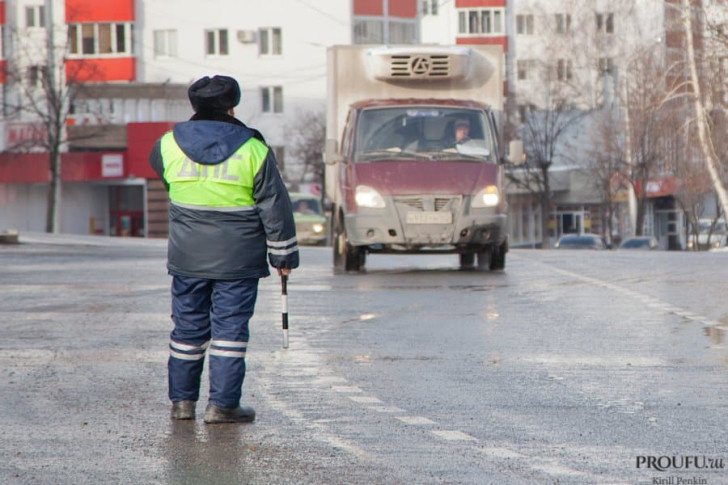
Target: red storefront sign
24,135
659,186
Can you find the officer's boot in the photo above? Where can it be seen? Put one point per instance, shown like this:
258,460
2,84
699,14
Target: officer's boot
241,414
183,410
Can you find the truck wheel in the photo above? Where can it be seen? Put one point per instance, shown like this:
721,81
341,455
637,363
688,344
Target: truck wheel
498,257
467,260
346,256
484,258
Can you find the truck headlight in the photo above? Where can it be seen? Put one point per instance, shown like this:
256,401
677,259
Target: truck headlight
317,228
488,197
368,197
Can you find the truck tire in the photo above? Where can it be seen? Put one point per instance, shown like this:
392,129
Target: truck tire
483,258
346,256
498,257
466,260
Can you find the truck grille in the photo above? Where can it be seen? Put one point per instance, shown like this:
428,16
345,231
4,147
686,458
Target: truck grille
414,202
432,65
443,203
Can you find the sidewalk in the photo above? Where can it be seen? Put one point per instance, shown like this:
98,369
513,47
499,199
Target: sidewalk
85,240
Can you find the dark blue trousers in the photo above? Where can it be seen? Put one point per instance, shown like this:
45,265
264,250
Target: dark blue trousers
214,315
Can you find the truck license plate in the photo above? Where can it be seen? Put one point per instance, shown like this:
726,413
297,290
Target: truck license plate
444,217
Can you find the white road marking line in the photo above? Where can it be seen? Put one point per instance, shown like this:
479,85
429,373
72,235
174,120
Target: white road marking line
415,420
346,389
553,468
386,409
453,435
500,452
365,399
648,300
329,380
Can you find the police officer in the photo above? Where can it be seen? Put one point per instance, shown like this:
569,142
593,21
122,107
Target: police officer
228,210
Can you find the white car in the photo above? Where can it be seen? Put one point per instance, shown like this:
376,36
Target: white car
707,238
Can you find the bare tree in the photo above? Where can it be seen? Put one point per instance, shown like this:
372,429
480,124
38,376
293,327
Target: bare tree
691,195
606,165
706,135
308,135
575,54
40,88
543,133
649,122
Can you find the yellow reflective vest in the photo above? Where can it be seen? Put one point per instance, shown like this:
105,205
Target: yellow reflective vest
225,185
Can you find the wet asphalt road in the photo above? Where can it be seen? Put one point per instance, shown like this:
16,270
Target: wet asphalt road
565,368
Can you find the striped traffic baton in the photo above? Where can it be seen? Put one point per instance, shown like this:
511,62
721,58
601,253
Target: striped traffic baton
284,309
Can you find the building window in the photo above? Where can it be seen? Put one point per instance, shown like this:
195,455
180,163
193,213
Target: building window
216,42
474,22
564,70
526,69
36,75
481,21
104,39
524,24
563,23
270,41
272,99
606,65
524,110
35,16
605,23
430,7
498,21
165,43
402,33
368,32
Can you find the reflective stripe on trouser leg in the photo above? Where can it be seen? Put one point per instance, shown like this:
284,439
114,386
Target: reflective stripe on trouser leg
191,300
233,303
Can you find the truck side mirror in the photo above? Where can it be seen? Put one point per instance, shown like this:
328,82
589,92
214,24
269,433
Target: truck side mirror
515,152
328,206
331,154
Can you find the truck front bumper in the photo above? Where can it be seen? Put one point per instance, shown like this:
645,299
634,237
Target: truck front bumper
391,229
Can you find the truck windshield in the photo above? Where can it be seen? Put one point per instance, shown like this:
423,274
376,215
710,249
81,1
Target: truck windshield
423,133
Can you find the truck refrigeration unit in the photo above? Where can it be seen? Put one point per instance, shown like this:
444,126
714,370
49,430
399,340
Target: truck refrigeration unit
414,162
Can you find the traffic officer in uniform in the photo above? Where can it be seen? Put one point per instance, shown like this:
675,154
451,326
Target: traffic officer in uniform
229,216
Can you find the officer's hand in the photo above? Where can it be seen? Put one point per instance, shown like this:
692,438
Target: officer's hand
283,271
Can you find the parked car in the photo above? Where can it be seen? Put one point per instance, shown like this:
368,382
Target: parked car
639,242
580,241
711,235
310,220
